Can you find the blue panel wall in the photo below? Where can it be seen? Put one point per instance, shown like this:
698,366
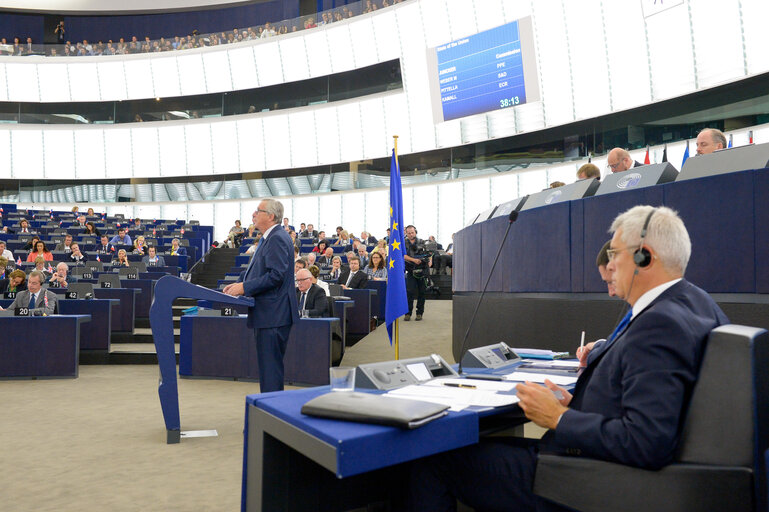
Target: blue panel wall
761,215
21,26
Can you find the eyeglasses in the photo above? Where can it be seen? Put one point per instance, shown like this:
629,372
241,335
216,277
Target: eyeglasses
260,210
613,166
303,278
613,252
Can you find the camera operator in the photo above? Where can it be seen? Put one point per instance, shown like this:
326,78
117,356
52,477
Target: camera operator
417,260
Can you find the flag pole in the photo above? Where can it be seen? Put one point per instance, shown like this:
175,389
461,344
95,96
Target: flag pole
396,343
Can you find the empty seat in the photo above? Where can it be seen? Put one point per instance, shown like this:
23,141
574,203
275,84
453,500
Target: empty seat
112,279
82,289
138,265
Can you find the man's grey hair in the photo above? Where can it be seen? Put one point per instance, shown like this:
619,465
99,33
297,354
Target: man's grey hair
717,136
62,264
666,234
274,207
40,276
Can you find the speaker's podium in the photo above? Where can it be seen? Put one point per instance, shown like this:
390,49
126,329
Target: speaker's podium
168,289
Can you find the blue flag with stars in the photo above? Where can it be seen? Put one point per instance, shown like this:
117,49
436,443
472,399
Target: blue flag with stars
396,301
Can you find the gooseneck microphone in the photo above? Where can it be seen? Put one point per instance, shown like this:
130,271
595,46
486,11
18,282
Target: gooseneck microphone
511,218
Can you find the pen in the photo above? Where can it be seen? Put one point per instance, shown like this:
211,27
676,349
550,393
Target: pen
482,376
455,385
582,341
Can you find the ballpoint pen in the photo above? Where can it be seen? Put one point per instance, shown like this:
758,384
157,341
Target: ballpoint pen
456,385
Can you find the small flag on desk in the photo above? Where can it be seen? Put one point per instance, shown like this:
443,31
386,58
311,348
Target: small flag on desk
646,158
396,301
18,262
97,258
686,155
730,141
181,231
50,268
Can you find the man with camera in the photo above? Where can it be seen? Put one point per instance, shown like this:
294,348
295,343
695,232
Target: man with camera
417,260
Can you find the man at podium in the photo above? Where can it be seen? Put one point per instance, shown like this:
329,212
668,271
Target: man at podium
269,279
628,402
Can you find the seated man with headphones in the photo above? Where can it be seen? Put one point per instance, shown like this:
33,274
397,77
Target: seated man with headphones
629,400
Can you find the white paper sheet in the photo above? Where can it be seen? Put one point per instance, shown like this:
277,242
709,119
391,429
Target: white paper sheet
561,380
482,385
456,398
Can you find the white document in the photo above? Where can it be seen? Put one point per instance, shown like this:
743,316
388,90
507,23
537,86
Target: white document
456,398
561,380
482,385
560,363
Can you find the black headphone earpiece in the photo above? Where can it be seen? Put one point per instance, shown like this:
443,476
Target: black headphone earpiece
642,257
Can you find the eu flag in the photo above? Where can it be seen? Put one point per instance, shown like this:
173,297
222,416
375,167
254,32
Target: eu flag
397,304
686,155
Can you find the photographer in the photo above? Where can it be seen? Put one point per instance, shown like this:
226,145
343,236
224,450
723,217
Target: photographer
417,260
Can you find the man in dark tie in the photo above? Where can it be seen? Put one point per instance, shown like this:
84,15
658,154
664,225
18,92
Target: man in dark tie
311,297
39,301
353,277
104,246
629,401
269,279
76,256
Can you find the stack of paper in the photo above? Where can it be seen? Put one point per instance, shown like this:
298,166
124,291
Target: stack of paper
458,398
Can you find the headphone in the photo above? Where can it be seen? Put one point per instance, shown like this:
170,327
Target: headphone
642,257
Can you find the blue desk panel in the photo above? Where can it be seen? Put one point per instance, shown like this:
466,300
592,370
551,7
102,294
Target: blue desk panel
359,316
96,334
761,208
380,300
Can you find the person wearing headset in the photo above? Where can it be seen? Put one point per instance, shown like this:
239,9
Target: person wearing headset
628,403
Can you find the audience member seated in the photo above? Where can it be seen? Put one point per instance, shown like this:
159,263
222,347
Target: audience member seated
588,171
40,250
311,297
140,245
138,225
177,249
90,213
322,235
30,246
321,247
16,282
376,269
4,252
152,259
299,264
445,260
344,241
336,268
122,238
104,246
4,267
309,232
709,140
362,254
311,258
60,279
24,228
90,229
294,239
42,266
80,222
286,225
326,259
367,238
40,302
381,248
76,256
65,245
121,260
353,277
235,235
315,271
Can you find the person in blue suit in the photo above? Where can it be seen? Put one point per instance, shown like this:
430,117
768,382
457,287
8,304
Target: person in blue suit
269,279
630,398
177,249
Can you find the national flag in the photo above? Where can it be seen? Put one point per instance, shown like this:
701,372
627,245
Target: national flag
18,262
181,231
50,269
729,144
646,158
665,153
97,258
750,137
153,231
686,155
117,224
396,299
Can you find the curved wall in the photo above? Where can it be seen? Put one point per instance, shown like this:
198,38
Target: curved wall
594,57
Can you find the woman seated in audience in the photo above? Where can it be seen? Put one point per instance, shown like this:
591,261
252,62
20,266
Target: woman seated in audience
30,246
140,245
321,247
90,212
90,229
75,209
336,268
344,239
376,269
40,250
235,235
315,271
381,248
16,282
41,266
121,260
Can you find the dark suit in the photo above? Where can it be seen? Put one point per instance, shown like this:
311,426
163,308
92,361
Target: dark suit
359,280
161,262
180,251
322,261
627,407
269,279
22,301
4,285
83,258
316,302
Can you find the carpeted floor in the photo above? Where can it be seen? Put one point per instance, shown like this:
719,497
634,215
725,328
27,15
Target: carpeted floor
97,443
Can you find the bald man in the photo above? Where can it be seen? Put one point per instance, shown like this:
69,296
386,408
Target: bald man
709,140
619,160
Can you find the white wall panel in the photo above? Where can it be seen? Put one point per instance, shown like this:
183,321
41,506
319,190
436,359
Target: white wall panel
425,216
375,140
55,84
396,119
22,81
330,214
421,133
327,135
89,154
145,152
5,155
251,145
294,57
224,147
138,78
754,16
386,36
339,39
504,188
217,71
112,82
243,68
377,212
149,211
305,210
628,60
117,147
175,211
490,14
304,151
318,53
451,216
165,77
530,182
567,173
553,52
353,208
203,212
59,155
3,83
173,158
225,214
268,64
199,157
350,132
461,18
27,154
191,75
437,29
718,59
670,52
83,81
276,138
364,45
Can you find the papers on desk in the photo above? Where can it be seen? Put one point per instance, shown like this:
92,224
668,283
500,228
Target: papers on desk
536,353
457,398
558,363
561,380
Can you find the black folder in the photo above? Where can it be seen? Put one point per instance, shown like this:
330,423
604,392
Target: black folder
374,408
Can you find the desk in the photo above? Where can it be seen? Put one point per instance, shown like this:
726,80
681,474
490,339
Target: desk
224,347
379,303
297,462
96,335
40,346
359,316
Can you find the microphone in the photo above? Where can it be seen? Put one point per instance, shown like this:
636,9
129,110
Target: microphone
511,218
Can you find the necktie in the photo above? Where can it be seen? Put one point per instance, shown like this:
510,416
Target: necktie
349,279
301,301
32,301
621,325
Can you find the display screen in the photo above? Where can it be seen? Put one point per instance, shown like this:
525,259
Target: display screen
487,71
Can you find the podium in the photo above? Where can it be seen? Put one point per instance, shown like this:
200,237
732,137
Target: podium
168,289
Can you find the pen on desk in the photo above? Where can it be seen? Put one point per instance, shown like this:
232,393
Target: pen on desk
455,385
582,341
